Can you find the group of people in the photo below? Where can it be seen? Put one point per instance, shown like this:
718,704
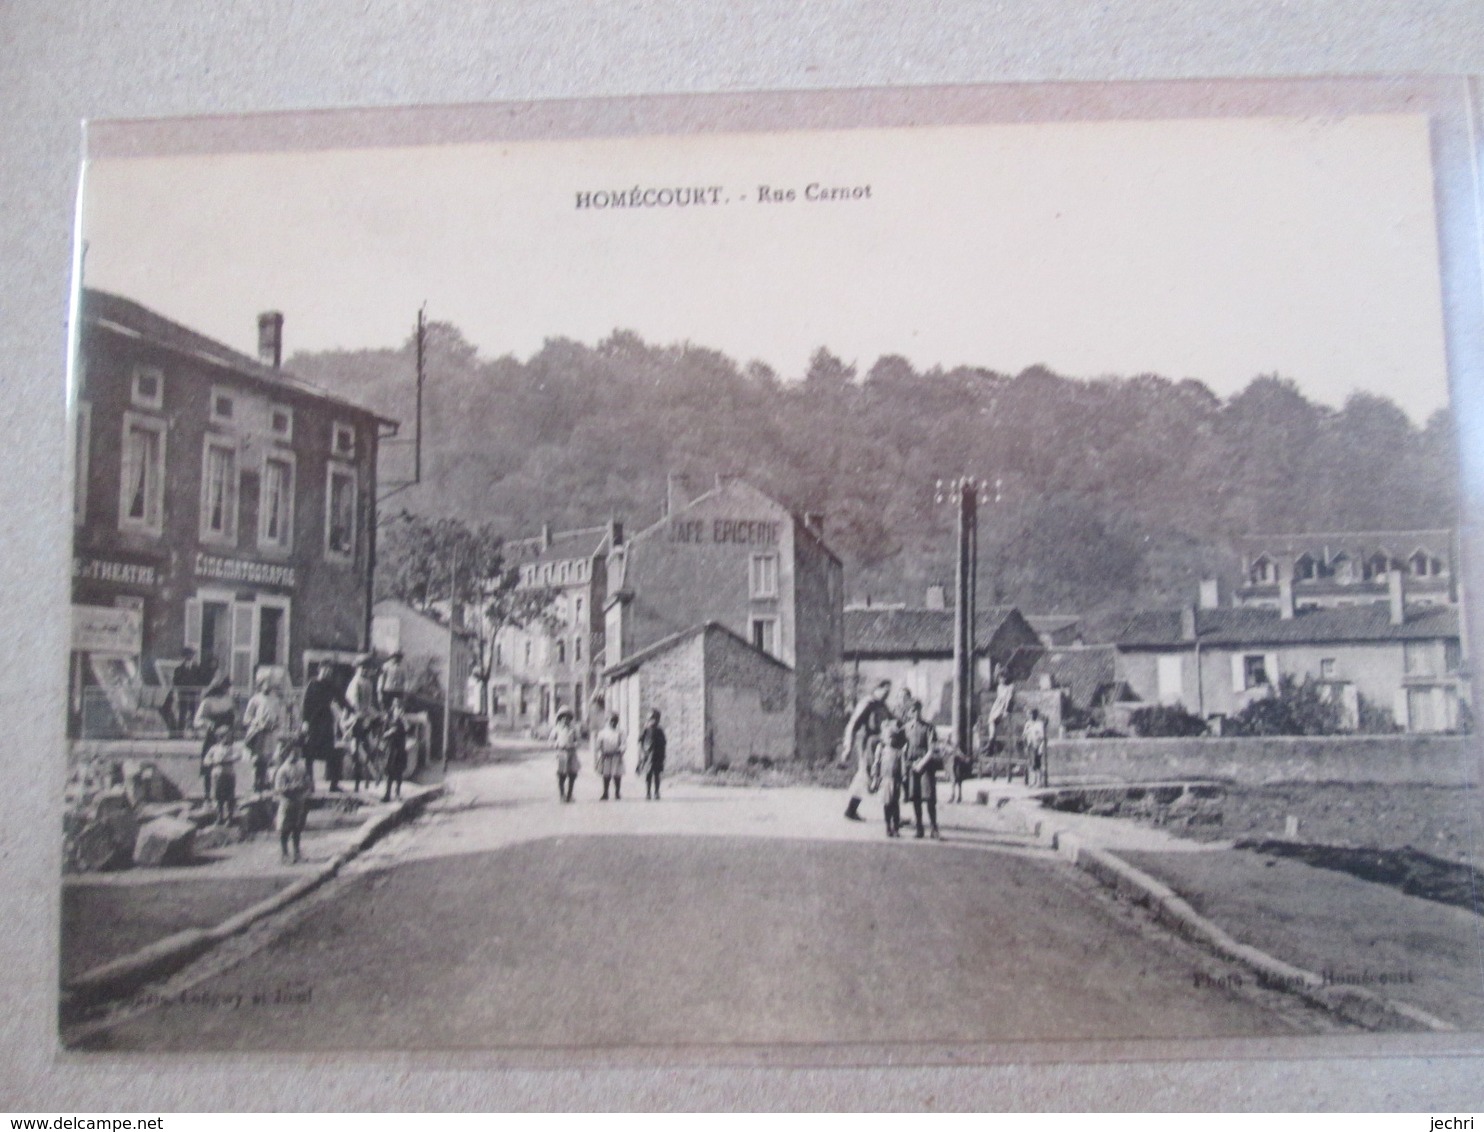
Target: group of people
898,754
608,746
369,718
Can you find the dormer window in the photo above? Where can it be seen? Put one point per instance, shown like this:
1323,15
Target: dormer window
1377,565
147,387
223,406
1263,573
1304,568
281,422
343,440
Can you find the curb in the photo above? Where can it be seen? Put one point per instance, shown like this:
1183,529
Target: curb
120,977
1354,1004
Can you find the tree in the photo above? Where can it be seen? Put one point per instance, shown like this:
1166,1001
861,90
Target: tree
1296,707
442,566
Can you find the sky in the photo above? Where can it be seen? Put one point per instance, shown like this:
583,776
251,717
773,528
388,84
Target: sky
1218,249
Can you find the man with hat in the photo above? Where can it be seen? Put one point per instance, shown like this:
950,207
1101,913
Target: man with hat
564,740
362,696
321,698
393,680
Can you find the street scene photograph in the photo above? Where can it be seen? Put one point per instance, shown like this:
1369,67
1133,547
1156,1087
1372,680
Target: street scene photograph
896,587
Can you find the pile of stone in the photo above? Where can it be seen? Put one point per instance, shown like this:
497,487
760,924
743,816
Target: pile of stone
129,813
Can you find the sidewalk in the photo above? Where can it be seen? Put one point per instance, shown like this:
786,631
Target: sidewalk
1355,944
110,916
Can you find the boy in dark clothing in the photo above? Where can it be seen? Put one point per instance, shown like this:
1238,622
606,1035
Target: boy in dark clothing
394,745
652,755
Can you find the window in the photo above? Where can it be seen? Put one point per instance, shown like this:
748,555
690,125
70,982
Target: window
342,440
223,406
276,503
1255,671
1327,668
219,491
765,634
528,657
562,572
1377,566
1418,659
340,513
147,387
1304,568
1169,676
577,650
1263,572
577,610
561,652
81,439
765,575
281,422
1452,656
142,482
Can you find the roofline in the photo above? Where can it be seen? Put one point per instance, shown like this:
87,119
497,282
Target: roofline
664,644
798,519
237,363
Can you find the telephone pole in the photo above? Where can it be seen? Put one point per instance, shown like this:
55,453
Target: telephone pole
964,492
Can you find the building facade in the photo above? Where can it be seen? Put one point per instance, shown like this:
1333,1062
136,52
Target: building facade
219,504
913,648
741,560
1327,571
554,660
424,643
1406,659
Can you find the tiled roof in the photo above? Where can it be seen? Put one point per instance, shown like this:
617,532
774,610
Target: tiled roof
665,644
583,542
1083,670
125,316
1354,623
914,632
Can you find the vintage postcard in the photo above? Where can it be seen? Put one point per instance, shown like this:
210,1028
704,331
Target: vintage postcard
944,573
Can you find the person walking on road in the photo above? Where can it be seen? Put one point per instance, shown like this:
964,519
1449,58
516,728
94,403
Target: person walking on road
321,698
608,745
863,740
292,785
564,740
1033,737
652,755
924,762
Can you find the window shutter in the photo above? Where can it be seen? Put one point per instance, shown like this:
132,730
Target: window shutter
1239,674
1270,662
193,623
242,626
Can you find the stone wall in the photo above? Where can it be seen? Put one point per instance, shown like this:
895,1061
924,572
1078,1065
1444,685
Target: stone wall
1437,760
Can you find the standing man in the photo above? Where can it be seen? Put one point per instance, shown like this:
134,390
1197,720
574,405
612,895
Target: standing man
261,721
564,740
862,739
652,755
608,745
393,680
1033,736
362,696
923,763
189,678
321,698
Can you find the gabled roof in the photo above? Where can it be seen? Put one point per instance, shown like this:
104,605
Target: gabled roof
565,546
1083,670
629,663
915,632
132,320
1345,624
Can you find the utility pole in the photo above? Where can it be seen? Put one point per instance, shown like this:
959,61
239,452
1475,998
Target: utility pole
964,492
417,443
453,581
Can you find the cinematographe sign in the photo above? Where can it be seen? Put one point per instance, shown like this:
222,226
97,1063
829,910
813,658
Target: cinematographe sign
244,570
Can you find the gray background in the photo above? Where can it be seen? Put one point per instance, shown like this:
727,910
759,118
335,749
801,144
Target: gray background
66,60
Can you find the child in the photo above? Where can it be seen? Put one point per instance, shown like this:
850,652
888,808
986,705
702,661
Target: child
222,777
291,786
963,770
394,744
608,745
889,770
564,740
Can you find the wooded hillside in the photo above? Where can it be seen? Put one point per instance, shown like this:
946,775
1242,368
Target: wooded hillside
1115,493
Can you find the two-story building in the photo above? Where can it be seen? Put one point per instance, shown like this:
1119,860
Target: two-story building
1329,570
553,661
220,505
760,578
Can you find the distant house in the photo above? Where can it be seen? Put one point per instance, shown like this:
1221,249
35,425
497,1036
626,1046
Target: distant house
423,642
1069,685
913,648
1328,570
1407,658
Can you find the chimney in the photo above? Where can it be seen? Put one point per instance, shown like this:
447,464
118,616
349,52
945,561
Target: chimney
545,537
1187,623
270,338
615,534
936,597
677,493
1396,590
1285,598
1210,593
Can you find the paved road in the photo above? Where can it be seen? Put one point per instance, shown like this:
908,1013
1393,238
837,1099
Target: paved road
507,919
